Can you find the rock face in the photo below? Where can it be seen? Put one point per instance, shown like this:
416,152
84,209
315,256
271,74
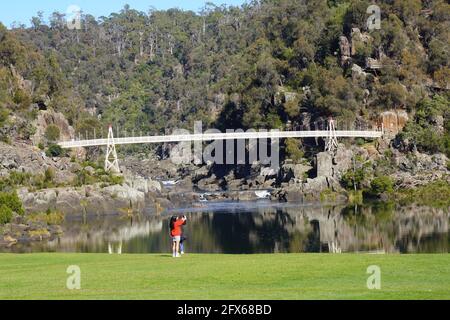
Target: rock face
89,199
344,47
144,185
393,122
298,172
417,168
309,190
48,117
324,164
358,72
25,158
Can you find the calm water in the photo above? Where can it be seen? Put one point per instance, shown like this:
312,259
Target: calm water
262,227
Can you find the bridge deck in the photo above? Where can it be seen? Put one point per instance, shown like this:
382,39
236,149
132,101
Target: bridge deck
222,136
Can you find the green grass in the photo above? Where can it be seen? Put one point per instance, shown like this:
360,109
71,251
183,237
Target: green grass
211,276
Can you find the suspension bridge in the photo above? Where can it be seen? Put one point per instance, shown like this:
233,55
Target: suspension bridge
330,134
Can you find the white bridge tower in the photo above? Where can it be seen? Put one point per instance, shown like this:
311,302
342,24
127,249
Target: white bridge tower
113,165
331,143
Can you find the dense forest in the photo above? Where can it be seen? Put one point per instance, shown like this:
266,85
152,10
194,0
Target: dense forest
267,64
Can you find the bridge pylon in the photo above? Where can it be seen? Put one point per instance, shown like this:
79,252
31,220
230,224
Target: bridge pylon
113,165
331,142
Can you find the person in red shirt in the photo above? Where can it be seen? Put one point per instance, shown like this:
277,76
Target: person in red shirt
175,233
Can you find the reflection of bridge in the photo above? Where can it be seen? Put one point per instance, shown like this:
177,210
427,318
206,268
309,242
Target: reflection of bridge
330,135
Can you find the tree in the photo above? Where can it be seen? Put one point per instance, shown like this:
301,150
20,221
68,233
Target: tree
12,201
54,150
382,184
52,133
6,214
293,150
37,21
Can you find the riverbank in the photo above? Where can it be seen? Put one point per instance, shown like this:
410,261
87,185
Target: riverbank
212,276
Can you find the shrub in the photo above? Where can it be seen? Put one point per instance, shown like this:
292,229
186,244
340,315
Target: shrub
50,217
54,150
52,133
49,175
17,178
293,149
5,214
3,116
381,185
351,178
12,201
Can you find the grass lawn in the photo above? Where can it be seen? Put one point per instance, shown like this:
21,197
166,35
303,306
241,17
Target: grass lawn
219,276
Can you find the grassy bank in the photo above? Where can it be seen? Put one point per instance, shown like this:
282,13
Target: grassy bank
277,276
434,194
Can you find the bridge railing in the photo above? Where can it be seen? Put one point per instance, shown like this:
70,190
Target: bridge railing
223,136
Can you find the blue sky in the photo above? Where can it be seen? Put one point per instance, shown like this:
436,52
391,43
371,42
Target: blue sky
22,10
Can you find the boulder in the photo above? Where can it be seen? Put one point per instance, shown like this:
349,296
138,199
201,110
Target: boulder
393,122
124,195
358,72
200,173
48,117
342,161
295,171
324,164
344,47
143,184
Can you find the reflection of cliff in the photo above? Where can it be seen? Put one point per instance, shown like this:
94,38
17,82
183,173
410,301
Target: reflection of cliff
97,233
332,229
269,229
375,227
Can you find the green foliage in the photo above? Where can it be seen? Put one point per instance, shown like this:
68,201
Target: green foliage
54,150
353,179
3,116
293,149
435,194
99,175
12,201
382,184
422,131
52,133
151,72
6,214
50,217
49,175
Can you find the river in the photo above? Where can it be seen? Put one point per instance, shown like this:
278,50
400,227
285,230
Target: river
260,227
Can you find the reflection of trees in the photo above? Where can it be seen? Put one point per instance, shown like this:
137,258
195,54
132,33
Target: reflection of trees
405,229
269,229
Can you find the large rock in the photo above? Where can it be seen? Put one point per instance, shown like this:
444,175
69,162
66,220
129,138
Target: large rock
294,171
125,195
345,49
393,122
342,161
48,117
39,201
324,164
143,184
358,72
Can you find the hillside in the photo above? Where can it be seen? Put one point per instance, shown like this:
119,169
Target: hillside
268,64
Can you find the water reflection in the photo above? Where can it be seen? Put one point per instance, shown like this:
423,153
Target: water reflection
263,228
